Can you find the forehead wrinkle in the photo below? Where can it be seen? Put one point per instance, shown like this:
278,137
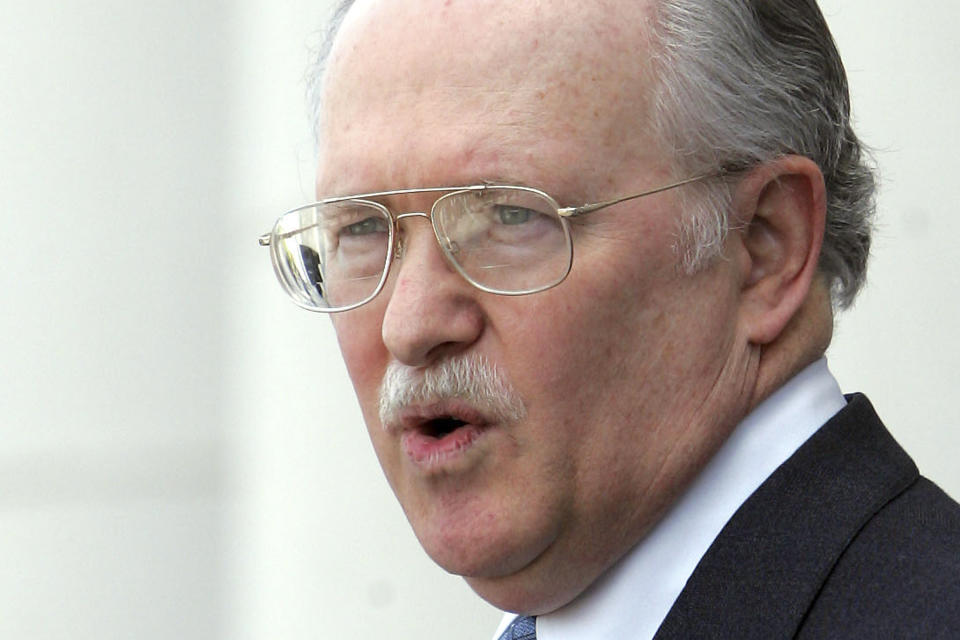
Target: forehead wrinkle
508,136
512,152
567,106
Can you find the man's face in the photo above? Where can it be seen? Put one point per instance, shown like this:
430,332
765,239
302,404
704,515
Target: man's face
628,373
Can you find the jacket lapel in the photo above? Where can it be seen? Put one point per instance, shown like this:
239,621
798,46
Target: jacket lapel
762,573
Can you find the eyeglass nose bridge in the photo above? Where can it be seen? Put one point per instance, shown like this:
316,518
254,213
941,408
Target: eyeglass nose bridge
448,246
412,214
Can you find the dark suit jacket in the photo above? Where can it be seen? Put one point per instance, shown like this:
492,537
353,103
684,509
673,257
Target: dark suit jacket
844,540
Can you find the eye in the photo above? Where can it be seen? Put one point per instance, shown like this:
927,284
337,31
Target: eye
365,227
513,215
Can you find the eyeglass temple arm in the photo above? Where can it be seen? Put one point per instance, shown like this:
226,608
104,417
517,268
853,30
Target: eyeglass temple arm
573,212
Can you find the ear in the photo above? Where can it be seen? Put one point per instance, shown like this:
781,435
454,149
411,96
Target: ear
782,211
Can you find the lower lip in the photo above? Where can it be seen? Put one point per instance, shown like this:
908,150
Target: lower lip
429,452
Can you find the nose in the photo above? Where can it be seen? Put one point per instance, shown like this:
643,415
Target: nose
432,312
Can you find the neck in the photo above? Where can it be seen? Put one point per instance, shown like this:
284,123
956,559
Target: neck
804,340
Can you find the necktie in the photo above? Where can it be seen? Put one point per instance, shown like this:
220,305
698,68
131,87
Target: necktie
522,628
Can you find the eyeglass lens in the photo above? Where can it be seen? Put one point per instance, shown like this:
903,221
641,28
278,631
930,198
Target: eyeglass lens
501,239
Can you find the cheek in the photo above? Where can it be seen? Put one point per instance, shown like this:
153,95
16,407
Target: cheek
359,337
608,344
586,323
366,358
562,363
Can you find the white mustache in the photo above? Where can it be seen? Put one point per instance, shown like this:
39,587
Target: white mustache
468,378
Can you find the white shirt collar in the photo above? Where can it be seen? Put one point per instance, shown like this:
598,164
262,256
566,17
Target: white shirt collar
632,599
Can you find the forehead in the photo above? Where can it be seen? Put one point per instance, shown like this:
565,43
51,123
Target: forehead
460,81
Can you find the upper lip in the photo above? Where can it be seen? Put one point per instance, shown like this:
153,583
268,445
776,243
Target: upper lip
419,417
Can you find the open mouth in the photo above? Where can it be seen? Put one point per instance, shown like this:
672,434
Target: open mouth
434,436
442,426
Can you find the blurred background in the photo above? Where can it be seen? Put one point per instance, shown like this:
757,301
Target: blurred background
180,454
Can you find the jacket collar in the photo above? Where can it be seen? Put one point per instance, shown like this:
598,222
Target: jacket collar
763,572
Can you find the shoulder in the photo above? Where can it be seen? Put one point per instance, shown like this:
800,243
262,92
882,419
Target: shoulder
844,540
900,575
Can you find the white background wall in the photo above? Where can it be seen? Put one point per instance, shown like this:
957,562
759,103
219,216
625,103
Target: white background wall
180,455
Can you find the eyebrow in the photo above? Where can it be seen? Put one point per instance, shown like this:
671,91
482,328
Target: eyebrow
398,192
513,182
484,181
388,193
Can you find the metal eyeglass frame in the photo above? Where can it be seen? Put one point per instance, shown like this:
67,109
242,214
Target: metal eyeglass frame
564,213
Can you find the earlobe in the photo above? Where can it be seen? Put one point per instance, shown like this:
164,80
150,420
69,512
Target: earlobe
782,211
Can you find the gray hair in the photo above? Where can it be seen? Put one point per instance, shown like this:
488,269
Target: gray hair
316,72
740,83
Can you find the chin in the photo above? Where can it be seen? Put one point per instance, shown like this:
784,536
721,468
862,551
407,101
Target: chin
479,552
507,567
528,592
481,544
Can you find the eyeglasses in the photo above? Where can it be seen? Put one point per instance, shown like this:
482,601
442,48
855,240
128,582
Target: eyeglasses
334,255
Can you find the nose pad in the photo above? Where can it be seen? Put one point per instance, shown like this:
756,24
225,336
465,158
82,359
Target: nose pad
450,247
400,246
